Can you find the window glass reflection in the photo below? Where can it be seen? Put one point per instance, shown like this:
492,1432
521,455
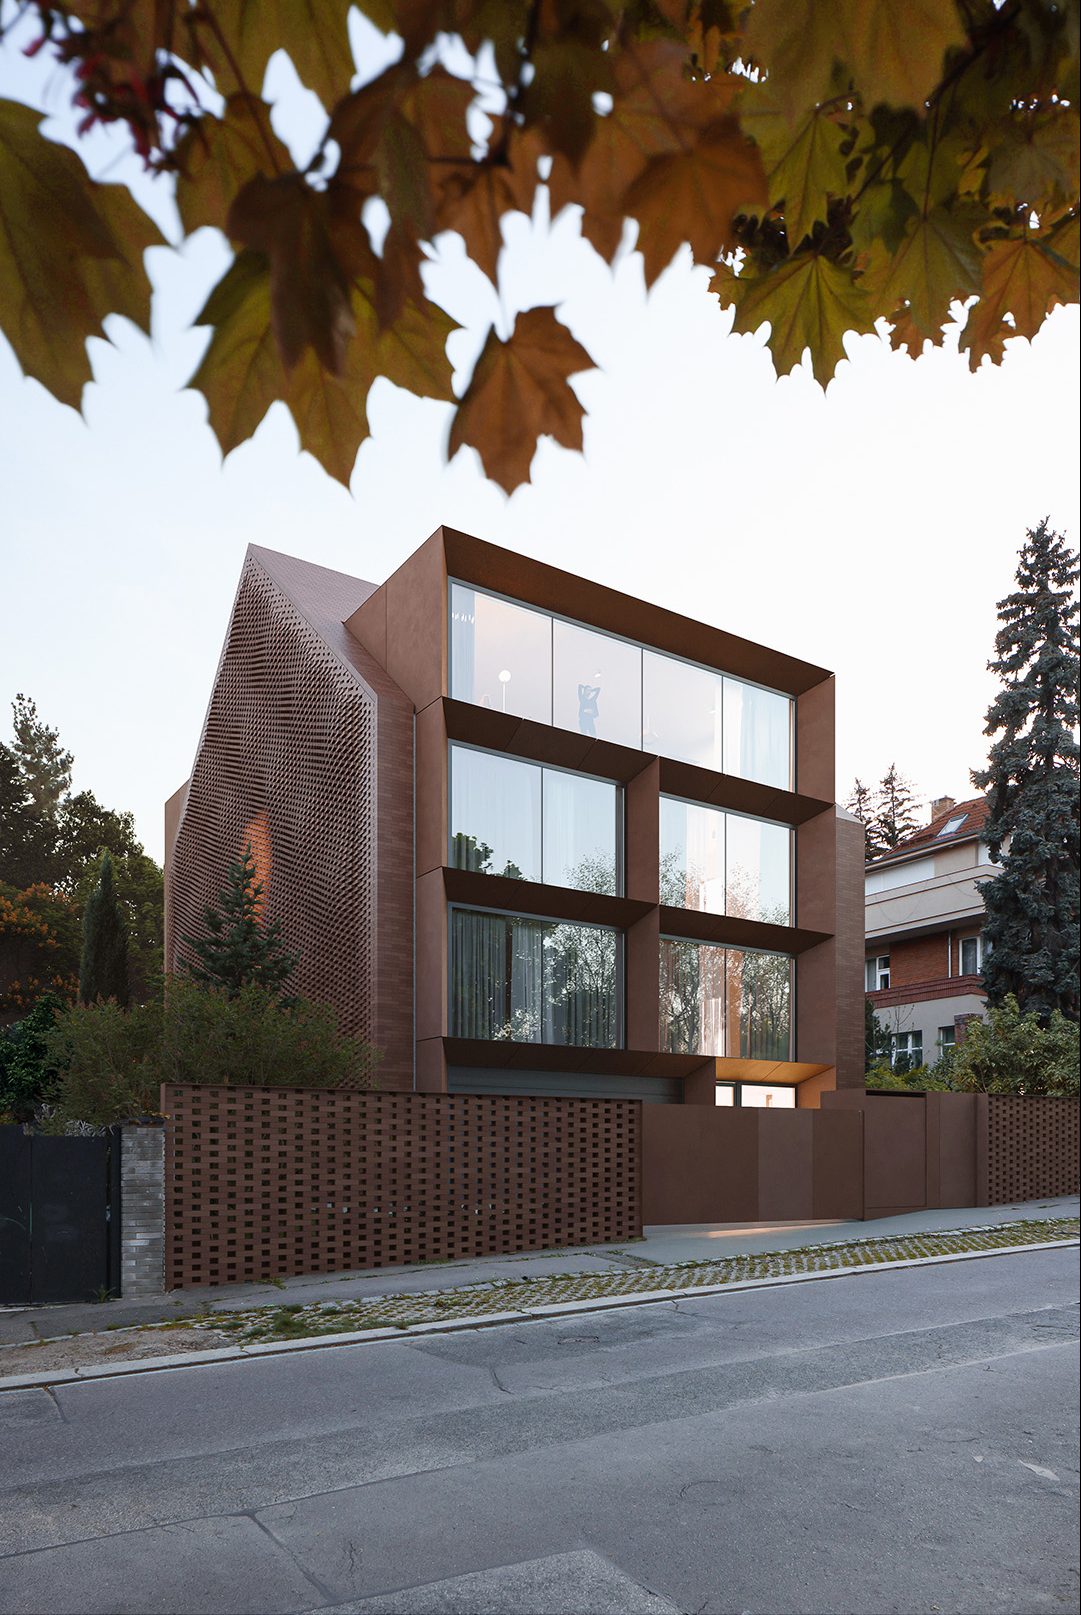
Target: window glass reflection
597,684
500,654
495,814
767,1097
533,981
692,855
580,832
725,1094
757,734
758,1005
692,997
682,708
758,863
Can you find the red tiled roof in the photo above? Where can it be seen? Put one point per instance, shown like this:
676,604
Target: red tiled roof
975,814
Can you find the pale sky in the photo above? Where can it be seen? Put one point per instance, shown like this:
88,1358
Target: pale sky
869,529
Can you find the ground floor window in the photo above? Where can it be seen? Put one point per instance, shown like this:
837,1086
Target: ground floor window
906,1050
947,1038
759,1095
528,980
725,1001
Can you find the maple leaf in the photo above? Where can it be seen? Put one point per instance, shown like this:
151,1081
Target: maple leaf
297,229
474,199
1037,163
313,33
936,263
895,52
567,74
693,196
71,253
218,156
809,303
1022,279
805,165
241,373
518,393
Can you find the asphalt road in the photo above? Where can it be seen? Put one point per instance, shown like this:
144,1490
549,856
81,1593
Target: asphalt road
903,1441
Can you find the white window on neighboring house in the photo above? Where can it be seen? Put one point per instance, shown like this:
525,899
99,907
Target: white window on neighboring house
906,1048
971,955
947,1038
878,973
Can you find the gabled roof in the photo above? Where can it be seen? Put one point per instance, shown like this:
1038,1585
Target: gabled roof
972,816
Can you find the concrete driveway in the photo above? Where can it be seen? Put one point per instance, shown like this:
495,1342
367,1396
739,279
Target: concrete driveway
903,1441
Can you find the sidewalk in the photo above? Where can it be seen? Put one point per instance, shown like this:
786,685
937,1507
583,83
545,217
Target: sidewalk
661,1247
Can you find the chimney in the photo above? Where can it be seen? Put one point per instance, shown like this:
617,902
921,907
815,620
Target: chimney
942,804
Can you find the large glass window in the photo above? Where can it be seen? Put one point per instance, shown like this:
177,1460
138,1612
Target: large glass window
692,855
581,832
682,710
724,863
757,734
759,1005
692,997
725,1001
597,684
515,658
767,1096
500,654
534,981
758,865
515,818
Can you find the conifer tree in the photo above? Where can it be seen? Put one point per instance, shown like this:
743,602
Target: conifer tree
861,804
239,948
895,810
1032,785
103,968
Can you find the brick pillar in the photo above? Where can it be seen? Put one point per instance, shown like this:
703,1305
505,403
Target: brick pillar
142,1211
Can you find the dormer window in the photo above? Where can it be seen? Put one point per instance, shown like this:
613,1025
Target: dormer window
953,825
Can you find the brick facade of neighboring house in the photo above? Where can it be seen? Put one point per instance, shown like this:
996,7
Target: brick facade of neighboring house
924,918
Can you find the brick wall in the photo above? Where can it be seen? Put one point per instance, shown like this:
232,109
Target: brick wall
142,1211
924,958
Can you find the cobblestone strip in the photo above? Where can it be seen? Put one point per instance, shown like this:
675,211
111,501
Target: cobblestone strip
401,1311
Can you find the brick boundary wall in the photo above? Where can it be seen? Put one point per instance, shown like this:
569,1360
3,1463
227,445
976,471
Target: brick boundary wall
264,1183
1027,1148
142,1210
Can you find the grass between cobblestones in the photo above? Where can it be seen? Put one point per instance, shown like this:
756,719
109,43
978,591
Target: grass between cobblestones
295,1322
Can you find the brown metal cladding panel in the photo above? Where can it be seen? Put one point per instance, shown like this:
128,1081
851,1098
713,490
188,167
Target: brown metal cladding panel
432,788
737,932
951,1118
850,951
816,872
541,743
741,795
1031,1148
267,1183
785,1165
699,1165
895,1154
466,1051
838,1164
288,761
506,572
816,1004
432,956
532,897
642,998
642,834
815,741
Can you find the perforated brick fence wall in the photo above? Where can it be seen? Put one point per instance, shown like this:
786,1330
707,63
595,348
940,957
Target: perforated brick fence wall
1030,1149
264,1183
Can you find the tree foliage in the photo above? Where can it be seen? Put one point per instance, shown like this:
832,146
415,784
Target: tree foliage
103,968
39,947
1033,783
52,840
833,162
25,1077
888,812
240,947
1012,1052
108,1064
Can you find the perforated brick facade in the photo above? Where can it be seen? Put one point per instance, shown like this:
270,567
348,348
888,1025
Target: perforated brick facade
1031,1148
266,1182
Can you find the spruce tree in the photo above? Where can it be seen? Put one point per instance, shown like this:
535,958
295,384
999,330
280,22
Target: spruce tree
861,804
895,810
1032,786
103,968
239,948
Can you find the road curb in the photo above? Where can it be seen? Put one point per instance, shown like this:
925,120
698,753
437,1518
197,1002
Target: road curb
490,1320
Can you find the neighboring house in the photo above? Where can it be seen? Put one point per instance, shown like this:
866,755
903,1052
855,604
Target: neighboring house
925,944
531,835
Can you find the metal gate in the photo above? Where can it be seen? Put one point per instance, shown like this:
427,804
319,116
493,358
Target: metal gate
59,1217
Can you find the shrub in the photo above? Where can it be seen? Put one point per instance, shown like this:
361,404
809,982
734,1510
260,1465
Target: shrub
1012,1053
111,1062
26,1080
883,1078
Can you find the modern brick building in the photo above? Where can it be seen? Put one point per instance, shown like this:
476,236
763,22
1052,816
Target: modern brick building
531,835
924,960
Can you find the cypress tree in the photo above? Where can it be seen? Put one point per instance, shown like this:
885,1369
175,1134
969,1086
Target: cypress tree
238,949
895,811
1032,785
103,968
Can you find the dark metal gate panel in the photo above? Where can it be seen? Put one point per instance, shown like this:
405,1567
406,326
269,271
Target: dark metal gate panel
14,1215
69,1235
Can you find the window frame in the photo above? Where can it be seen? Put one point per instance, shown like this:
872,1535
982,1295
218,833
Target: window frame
755,818
734,947
542,768
873,967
